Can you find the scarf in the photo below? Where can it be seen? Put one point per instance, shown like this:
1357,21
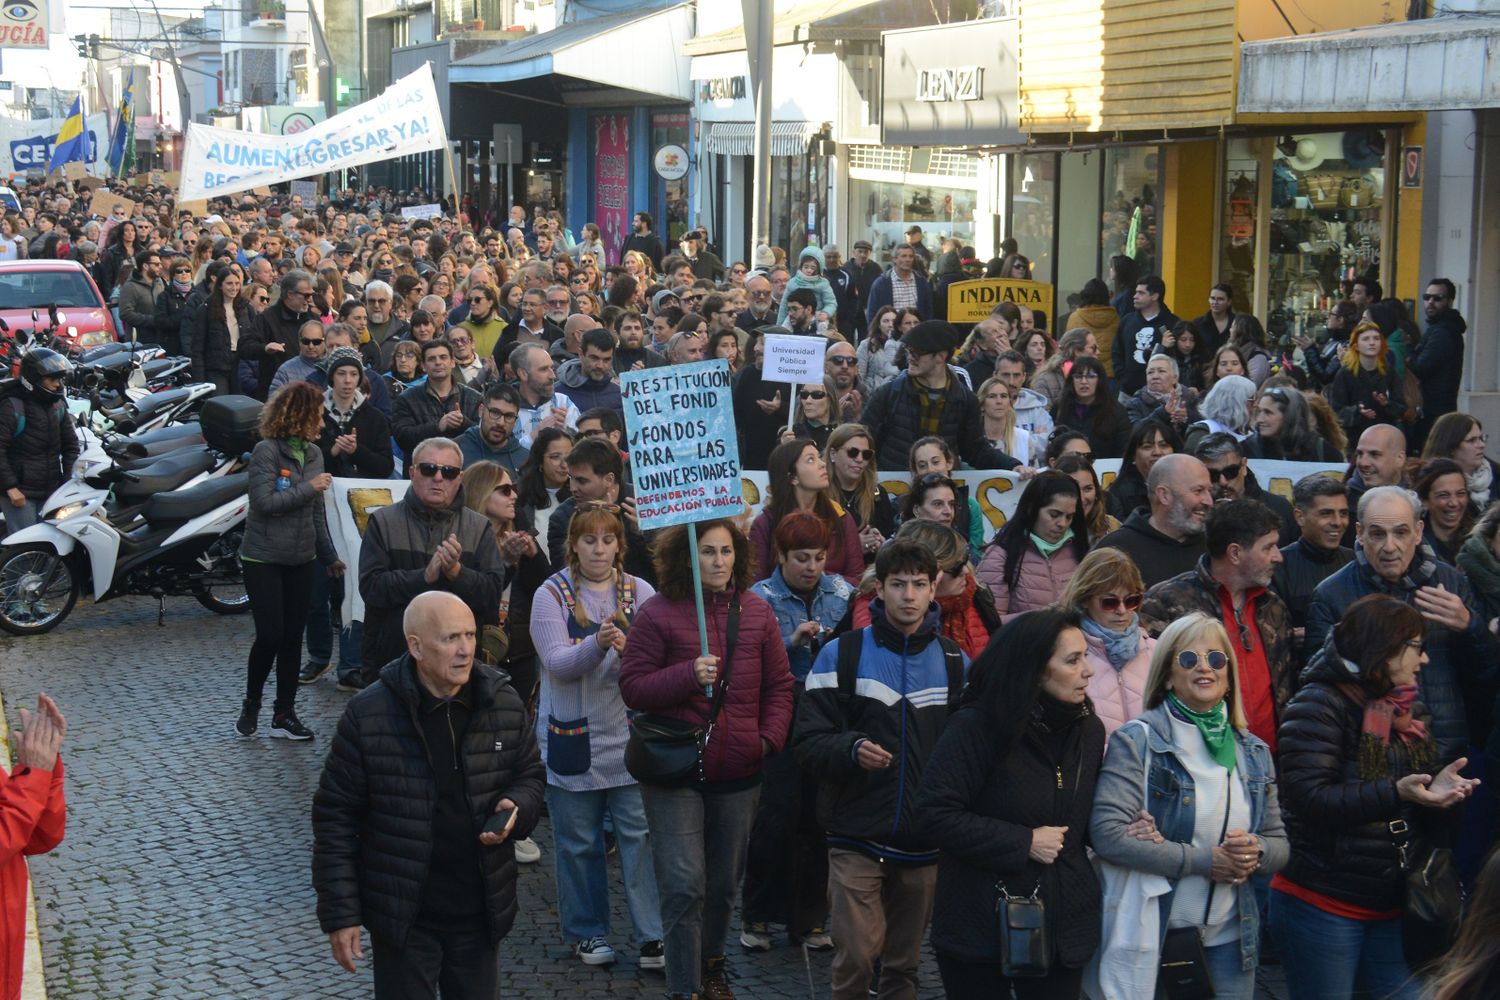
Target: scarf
1047,548
1052,716
299,448
1423,567
1479,482
930,404
1383,716
342,417
954,611
1119,647
182,287
1214,727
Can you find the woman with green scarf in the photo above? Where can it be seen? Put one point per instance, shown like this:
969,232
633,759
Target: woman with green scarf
1190,761
1033,556
286,535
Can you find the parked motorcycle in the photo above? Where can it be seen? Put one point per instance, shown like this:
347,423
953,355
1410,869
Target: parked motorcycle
156,540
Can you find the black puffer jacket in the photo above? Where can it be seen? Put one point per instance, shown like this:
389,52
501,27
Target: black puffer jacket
276,324
171,310
1336,821
979,809
38,444
418,411
373,810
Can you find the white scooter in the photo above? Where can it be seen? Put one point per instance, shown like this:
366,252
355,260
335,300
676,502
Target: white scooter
179,543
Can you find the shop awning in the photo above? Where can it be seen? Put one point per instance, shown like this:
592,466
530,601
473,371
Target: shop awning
738,138
1436,64
596,50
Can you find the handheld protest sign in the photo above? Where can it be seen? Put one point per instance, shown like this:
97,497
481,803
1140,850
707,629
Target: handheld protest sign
796,359
684,456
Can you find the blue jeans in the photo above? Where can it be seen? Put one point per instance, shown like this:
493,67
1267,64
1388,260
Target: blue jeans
582,868
698,845
327,598
1324,954
1230,981
20,517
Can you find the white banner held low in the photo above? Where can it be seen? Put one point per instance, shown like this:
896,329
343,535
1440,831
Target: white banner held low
403,120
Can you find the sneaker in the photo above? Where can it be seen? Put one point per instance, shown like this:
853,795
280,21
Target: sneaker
288,727
817,939
715,981
527,853
653,955
351,683
312,671
755,937
246,724
594,951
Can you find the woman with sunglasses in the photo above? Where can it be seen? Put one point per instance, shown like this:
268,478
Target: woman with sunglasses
1357,755
484,320
1106,589
1087,405
797,479
814,417
700,830
854,486
579,620
172,306
1005,797
1034,554
1190,762
1095,512
1149,442
877,352
286,534
1285,429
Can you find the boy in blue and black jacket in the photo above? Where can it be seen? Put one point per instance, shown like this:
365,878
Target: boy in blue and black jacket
876,702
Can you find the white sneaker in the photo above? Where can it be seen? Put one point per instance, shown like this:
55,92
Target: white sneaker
594,951
528,853
817,939
755,937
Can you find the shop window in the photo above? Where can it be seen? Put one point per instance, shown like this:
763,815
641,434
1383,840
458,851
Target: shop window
1033,209
1237,244
1131,208
893,188
1328,193
673,206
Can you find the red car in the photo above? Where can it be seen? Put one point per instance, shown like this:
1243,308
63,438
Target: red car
85,317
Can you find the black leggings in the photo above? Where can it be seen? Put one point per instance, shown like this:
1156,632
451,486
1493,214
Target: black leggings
280,597
980,981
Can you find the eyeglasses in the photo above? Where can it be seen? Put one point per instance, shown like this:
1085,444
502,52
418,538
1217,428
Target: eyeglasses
1229,473
843,362
1112,603
811,394
506,490
1476,439
936,479
1413,644
557,302
498,414
478,298
1434,298
600,505
1086,457
1217,659
857,453
311,341
431,470
1085,375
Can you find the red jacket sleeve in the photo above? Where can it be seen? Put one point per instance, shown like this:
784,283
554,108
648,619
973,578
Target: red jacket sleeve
851,561
648,682
31,812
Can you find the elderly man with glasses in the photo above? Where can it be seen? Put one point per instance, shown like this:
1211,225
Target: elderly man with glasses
760,308
273,336
423,542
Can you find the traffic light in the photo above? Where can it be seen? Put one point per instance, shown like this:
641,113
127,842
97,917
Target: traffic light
83,45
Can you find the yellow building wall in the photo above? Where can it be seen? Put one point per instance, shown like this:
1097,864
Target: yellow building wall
1409,280
1188,248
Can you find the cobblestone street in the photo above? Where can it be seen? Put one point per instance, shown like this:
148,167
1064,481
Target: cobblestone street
186,868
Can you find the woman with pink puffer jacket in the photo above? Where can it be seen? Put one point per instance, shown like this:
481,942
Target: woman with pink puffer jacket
1034,555
1106,588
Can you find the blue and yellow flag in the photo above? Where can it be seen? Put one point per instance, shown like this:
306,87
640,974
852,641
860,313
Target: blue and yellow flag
72,141
122,141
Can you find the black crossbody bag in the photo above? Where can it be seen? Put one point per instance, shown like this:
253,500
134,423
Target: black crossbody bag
669,752
1184,973
1025,946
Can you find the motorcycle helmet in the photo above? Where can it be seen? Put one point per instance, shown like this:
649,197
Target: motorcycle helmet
43,363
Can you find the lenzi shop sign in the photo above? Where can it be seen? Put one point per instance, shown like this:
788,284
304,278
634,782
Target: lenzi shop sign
952,83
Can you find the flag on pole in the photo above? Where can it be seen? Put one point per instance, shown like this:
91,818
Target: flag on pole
72,142
121,156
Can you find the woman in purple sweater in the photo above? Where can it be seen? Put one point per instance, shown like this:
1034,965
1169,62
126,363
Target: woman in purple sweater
579,619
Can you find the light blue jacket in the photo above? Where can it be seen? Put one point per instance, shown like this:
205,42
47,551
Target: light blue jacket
830,602
1170,800
827,301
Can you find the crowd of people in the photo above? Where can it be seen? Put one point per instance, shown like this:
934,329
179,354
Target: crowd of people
1169,720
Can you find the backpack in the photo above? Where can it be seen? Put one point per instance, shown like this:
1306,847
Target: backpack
850,644
60,408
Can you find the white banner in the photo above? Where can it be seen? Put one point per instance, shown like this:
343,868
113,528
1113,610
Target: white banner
403,120
422,211
25,144
997,494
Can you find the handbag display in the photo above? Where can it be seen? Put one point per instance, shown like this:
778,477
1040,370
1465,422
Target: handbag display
1025,951
666,751
1434,898
1184,973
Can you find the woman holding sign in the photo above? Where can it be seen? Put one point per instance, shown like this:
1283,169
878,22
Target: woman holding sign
797,478
741,693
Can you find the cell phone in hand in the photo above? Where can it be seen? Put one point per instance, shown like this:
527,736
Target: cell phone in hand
500,821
